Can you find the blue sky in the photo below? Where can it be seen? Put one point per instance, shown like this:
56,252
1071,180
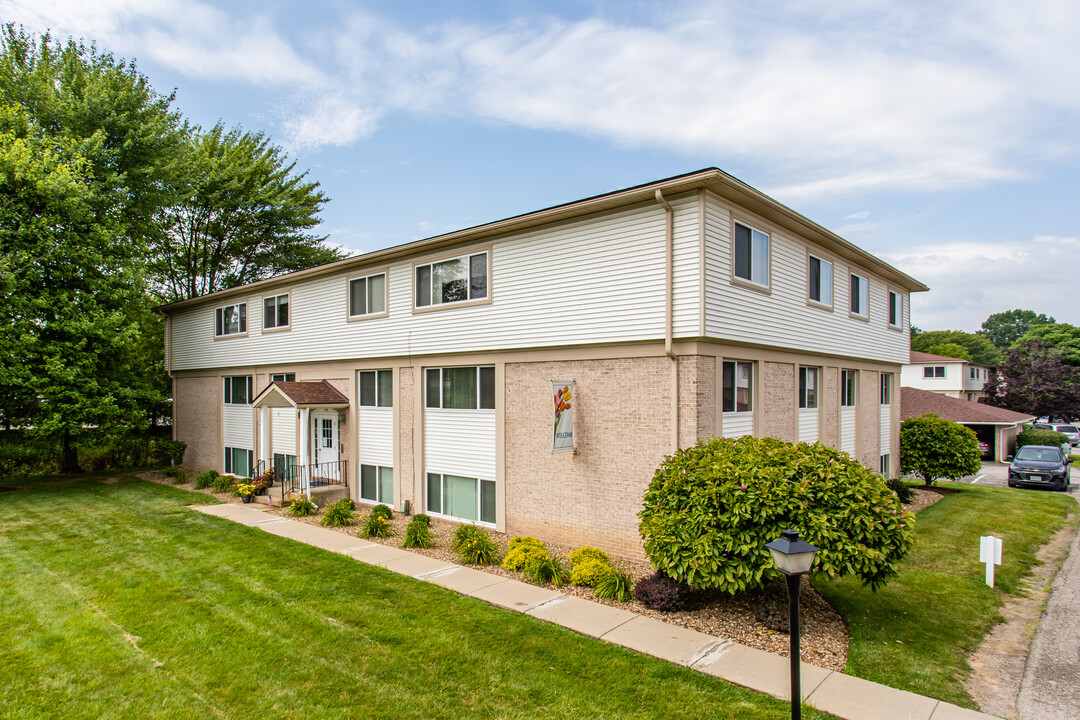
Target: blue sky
941,136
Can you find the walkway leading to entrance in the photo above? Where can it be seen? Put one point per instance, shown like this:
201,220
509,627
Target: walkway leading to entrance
842,695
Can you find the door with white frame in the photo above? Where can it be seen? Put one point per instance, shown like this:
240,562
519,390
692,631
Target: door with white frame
324,430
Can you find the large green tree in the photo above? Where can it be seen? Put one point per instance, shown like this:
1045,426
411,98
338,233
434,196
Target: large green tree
1035,379
1005,328
980,348
245,215
950,350
1063,337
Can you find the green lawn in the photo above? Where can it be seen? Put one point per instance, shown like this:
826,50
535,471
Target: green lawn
116,601
914,633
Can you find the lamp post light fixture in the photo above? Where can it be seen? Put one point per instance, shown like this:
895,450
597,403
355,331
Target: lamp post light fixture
793,557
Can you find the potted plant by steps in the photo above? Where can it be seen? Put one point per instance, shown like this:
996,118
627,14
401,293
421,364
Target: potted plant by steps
267,476
260,485
245,490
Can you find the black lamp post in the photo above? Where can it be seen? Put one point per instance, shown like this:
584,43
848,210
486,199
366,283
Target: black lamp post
793,557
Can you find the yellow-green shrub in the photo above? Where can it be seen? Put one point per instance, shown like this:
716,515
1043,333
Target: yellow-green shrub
585,552
589,572
524,551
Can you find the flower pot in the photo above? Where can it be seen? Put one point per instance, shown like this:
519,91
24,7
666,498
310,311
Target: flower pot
246,498
260,491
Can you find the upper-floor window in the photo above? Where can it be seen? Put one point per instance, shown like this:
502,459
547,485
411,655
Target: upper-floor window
860,296
377,388
230,320
751,255
896,309
886,388
276,312
238,390
451,281
283,377
933,371
367,295
464,388
738,384
820,281
847,387
808,388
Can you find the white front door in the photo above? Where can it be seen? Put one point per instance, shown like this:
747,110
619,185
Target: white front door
324,427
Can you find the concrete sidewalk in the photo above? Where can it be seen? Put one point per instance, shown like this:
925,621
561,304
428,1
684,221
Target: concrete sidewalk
842,695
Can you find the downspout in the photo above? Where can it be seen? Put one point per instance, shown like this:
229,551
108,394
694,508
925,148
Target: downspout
669,283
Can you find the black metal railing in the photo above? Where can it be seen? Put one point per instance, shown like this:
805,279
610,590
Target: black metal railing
294,478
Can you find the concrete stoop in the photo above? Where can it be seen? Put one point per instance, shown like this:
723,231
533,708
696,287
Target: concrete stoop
321,496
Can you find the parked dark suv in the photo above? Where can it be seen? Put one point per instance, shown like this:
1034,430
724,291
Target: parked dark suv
1043,465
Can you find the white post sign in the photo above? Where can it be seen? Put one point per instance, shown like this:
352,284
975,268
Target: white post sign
990,553
562,433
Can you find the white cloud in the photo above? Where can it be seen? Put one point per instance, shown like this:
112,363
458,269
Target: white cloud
861,215
970,281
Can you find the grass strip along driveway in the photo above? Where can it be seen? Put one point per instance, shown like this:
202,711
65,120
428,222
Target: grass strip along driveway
916,632
117,601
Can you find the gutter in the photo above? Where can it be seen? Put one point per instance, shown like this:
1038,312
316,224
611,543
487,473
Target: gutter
669,312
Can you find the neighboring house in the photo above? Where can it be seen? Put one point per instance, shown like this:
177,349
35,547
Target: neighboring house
993,425
674,311
943,375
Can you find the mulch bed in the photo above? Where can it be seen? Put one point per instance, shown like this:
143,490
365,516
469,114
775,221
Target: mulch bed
758,619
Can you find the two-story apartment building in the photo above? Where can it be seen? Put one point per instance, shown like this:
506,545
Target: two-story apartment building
963,379
669,312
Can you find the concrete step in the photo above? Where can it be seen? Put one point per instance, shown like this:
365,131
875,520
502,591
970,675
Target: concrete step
321,496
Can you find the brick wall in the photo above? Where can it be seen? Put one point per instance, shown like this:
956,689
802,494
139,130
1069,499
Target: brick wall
406,471
778,401
870,418
830,401
197,421
697,399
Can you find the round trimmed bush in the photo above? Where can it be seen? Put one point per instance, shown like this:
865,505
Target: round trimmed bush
589,572
710,509
585,552
522,552
1037,436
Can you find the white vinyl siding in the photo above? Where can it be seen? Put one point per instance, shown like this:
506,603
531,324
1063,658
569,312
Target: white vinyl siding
283,422
847,430
737,424
808,425
781,319
460,442
239,428
885,427
375,436
606,272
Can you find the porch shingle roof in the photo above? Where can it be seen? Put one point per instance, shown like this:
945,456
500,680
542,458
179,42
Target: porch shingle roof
915,402
312,393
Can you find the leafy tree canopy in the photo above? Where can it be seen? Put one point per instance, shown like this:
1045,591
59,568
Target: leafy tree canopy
1005,328
935,448
1035,379
950,350
1064,337
980,348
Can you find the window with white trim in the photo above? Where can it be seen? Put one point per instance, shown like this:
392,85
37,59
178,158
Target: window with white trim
238,461
885,468
230,320
933,371
367,295
808,388
848,386
738,386
751,255
461,388
276,312
896,309
283,377
462,498
377,388
886,388
377,484
238,389
284,466
453,280
819,279
860,296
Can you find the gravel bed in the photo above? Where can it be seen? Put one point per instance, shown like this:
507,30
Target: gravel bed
758,618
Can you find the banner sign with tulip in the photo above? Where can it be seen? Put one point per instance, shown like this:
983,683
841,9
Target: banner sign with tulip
562,436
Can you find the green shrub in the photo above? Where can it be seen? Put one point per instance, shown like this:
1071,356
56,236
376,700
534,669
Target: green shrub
711,508
615,585
474,546
205,479
1035,436
177,473
902,489
301,506
523,551
376,525
935,448
589,572
339,514
418,533
588,553
168,451
383,511
224,483
547,569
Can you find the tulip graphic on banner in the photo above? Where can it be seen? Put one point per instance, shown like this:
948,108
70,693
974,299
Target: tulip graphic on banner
562,437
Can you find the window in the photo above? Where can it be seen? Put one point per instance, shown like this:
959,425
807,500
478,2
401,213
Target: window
751,255
238,461
468,388
238,390
284,467
461,497
377,484
847,387
283,377
450,281
896,309
367,295
738,386
886,465
886,388
808,388
933,371
377,388
820,281
860,296
276,312
230,320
